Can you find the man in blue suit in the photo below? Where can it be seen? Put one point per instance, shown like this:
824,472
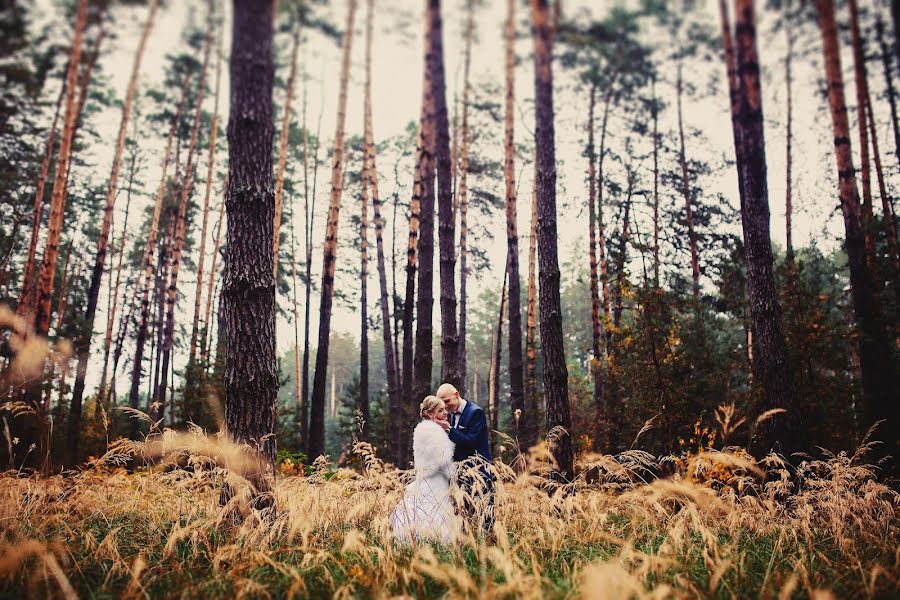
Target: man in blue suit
468,429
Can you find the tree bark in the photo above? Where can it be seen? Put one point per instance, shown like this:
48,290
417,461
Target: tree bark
789,134
530,423
496,357
450,367
556,387
317,417
370,187
251,378
210,175
655,186
875,350
516,374
782,432
862,90
463,199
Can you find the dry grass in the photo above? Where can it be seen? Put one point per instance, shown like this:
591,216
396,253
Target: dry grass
722,526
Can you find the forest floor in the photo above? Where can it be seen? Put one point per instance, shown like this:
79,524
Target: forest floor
713,530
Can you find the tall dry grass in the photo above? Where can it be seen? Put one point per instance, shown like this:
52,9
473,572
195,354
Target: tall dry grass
721,526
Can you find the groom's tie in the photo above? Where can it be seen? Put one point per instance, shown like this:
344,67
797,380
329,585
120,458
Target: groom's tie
454,420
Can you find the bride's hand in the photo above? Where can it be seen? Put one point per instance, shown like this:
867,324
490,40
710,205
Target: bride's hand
444,424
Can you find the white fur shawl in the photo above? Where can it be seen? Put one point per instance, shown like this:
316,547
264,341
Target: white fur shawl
432,449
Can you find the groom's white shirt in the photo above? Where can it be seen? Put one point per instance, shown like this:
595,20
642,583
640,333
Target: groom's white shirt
462,407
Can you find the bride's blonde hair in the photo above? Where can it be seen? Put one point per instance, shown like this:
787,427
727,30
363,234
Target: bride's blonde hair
429,405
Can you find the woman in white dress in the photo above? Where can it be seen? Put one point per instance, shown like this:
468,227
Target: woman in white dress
425,511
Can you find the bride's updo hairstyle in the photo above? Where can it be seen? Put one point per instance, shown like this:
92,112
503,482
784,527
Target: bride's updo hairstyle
429,405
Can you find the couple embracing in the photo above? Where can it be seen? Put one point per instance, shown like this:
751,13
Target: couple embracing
451,451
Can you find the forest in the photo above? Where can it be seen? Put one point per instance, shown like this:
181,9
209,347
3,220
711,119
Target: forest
241,241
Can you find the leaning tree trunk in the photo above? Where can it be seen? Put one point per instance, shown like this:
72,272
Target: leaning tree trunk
370,186
423,362
771,371
84,342
874,347
248,293
556,388
450,368
282,150
158,410
147,262
463,199
516,375
317,417
886,64
210,175
887,209
597,358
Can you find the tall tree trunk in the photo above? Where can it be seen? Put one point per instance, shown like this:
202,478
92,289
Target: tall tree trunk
210,175
622,258
771,371
370,186
601,232
282,149
210,289
84,342
789,134
450,367
463,198
58,198
496,357
317,418
655,186
888,82
401,449
251,378
688,202
862,90
187,186
556,388
530,419
147,261
516,374
423,362
597,358
114,296
886,207
875,350
27,293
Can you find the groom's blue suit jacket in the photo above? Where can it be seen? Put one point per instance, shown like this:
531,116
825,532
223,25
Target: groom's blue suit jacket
471,434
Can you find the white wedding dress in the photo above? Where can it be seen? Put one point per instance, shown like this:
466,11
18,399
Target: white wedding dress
425,512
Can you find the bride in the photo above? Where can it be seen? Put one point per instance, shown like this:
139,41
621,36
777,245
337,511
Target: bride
425,511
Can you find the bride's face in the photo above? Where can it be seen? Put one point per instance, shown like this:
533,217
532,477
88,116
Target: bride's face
440,413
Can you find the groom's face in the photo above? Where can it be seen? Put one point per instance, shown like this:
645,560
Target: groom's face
451,401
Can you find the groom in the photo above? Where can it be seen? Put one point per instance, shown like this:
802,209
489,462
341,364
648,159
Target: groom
467,427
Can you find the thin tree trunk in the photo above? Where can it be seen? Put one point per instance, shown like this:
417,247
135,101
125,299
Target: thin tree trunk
181,225
212,282
251,378
496,356
210,174
463,199
530,424
516,374
887,209
688,203
450,367
27,293
622,258
282,149
317,418
888,82
370,186
875,351
84,343
655,186
862,91
782,432
147,261
789,134
601,232
556,388
597,358
363,401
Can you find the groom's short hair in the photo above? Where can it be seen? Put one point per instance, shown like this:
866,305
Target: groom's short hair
446,390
